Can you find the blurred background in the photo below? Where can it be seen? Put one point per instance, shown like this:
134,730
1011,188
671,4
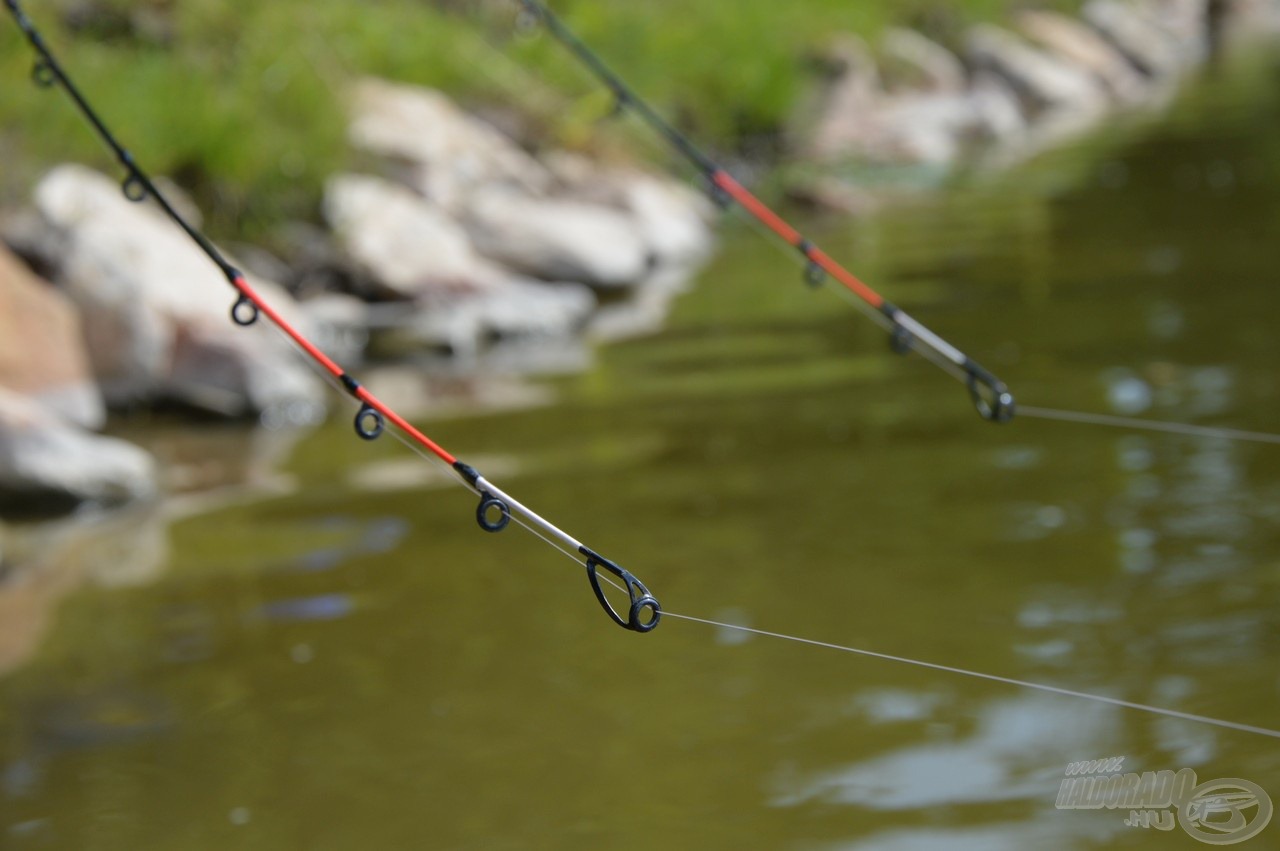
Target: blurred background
226,620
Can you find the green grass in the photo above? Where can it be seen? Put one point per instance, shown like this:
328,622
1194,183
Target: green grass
244,104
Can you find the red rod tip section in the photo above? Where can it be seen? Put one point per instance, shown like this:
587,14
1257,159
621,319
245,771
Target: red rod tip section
778,225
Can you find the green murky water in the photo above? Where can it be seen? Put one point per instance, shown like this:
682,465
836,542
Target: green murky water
337,658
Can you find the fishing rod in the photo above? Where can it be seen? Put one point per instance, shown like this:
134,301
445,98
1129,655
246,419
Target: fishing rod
989,394
496,508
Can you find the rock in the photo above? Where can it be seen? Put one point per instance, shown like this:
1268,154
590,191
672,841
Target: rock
413,251
1185,20
142,287
558,240
50,466
257,261
997,110
28,236
911,61
42,350
918,129
316,264
443,152
521,309
405,246
933,127
340,323
465,325
1242,20
1085,48
911,127
1042,82
850,95
673,219
605,227
235,375
1151,51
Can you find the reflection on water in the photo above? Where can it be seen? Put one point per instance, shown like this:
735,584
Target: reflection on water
313,646
1008,756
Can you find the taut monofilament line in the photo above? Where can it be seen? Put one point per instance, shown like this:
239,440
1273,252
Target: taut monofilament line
990,395
496,508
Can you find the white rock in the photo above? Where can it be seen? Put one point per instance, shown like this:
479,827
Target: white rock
997,111
850,97
446,153
924,128
929,66
558,240
1084,47
405,245
1184,20
233,375
140,283
673,219
1043,82
933,126
341,324
1151,50
49,465
466,324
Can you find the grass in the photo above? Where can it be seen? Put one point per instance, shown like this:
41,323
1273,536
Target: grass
242,101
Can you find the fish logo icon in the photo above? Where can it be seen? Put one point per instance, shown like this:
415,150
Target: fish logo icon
1225,812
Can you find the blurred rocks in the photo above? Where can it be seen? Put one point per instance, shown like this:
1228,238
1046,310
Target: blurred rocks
912,62
49,466
847,106
155,309
1153,50
913,103
671,218
457,240
560,218
558,239
400,245
467,325
479,241
1043,82
42,351
436,148
1077,44
447,295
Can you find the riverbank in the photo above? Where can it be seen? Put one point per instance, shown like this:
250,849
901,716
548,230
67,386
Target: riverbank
241,104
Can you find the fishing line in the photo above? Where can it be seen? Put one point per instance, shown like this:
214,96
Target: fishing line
1146,425
988,393
496,508
933,666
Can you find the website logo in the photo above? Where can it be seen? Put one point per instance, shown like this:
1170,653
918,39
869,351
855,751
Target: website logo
1217,812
